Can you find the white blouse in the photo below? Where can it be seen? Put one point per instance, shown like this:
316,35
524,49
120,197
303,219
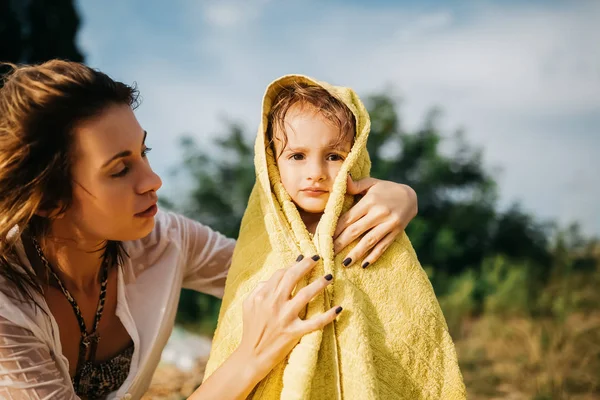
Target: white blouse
178,253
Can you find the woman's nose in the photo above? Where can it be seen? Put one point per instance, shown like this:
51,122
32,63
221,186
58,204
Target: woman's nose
150,181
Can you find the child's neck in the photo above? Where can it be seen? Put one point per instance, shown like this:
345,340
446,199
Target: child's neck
311,220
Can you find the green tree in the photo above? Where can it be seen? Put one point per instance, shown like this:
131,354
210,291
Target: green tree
218,198
38,30
221,185
458,225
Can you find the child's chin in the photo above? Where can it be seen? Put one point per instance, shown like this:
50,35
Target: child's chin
313,208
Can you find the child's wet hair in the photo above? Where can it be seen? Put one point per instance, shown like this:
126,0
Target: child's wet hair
316,98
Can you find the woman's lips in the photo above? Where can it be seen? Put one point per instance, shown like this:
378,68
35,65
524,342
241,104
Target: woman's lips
148,212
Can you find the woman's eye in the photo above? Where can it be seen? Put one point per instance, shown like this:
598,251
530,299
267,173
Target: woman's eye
121,173
146,151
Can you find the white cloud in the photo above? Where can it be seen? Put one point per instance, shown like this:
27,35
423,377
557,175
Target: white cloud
231,13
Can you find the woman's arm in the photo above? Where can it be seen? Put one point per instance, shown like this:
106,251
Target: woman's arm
234,379
380,215
207,254
27,368
271,330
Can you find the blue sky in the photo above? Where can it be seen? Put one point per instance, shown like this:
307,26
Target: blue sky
522,78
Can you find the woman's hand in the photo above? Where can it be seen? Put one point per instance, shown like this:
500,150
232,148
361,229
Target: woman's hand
271,324
271,330
382,214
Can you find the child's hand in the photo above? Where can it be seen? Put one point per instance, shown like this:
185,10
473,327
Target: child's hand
380,215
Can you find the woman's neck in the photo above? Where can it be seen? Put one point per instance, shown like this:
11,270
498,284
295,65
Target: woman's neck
76,259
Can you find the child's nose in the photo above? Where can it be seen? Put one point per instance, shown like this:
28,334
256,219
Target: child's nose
316,172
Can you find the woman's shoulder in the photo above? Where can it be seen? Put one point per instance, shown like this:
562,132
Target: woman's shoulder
15,305
24,312
171,227
171,231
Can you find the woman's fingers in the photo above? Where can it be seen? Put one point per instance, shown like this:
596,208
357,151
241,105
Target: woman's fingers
379,249
360,186
372,239
355,213
307,293
294,274
376,216
320,321
271,325
383,203
348,218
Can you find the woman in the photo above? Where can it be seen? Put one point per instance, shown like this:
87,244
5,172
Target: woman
90,271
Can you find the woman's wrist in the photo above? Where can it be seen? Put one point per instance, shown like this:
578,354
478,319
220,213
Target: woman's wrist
250,368
234,379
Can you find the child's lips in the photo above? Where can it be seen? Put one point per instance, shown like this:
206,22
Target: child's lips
314,192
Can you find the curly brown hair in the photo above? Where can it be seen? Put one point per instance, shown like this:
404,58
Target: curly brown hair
40,106
332,109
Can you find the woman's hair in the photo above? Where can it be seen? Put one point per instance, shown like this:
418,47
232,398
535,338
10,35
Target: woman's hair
320,100
40,106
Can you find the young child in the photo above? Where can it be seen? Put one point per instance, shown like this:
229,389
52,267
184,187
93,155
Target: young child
392,341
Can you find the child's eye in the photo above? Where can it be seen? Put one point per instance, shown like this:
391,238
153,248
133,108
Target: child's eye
335,157
146,151
297,157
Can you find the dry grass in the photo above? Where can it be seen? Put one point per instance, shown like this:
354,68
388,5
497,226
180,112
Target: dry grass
169,383
532,359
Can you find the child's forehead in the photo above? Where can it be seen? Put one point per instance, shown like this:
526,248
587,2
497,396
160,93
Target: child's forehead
331,139
304,125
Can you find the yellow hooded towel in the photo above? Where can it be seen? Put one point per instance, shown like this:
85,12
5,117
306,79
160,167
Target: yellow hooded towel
390,342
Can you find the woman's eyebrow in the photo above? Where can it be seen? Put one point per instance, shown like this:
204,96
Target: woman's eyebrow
125,153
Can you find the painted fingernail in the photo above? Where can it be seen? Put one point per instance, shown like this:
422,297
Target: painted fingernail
315,257
300,258
328,277
366,264
347,261
338,310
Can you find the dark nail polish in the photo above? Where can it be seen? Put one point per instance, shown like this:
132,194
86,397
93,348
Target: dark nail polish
338,310
300,258
315,257
328,277
366,264
347,261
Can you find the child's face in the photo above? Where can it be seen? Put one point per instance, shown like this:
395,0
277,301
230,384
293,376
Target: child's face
312,157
